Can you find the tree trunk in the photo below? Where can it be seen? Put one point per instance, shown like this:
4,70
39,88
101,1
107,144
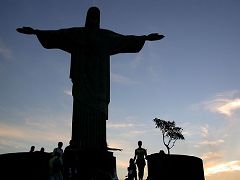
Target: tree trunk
168,149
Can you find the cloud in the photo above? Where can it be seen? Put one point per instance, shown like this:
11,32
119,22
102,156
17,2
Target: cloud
212,143
136,61
8,143
11,131
212,156
122,164
5,52
68,92
231,175
205,131
229,107
33,131
212,138
223,167
122,125
116,78
190,130
134,133
207,137
127,129
39,124
226,103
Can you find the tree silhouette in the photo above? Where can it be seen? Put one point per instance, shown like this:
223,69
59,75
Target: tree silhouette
170,133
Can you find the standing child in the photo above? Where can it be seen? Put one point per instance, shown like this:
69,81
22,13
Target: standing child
132,170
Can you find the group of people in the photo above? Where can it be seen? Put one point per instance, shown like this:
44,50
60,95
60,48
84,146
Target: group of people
32,149
63,162
138,162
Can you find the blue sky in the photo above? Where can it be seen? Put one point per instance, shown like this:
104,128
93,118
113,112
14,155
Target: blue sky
191,76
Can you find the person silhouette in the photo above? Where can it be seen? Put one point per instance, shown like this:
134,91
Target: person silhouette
70,160
90,48
56,167
42,150
32,149
162,153
140,155
59,149
132,170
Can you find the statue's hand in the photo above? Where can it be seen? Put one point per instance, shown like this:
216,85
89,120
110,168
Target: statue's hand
154,37
26,30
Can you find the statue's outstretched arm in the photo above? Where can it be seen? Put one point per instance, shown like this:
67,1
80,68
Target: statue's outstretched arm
51,39
154,37
26,30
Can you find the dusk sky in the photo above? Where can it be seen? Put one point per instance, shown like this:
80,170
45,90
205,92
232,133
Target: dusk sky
190,77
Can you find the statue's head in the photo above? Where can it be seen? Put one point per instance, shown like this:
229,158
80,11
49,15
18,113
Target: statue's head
93,18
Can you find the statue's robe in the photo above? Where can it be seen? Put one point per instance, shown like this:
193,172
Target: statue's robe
90,73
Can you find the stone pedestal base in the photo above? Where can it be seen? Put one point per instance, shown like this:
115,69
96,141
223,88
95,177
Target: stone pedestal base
172,167
25,165
95,165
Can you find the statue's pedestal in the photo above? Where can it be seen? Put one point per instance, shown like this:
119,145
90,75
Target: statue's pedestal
172,167
96,165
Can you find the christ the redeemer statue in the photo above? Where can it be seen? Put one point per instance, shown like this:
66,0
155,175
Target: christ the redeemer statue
90,48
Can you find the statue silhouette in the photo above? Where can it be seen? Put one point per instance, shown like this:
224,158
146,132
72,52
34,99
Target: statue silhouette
90,48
